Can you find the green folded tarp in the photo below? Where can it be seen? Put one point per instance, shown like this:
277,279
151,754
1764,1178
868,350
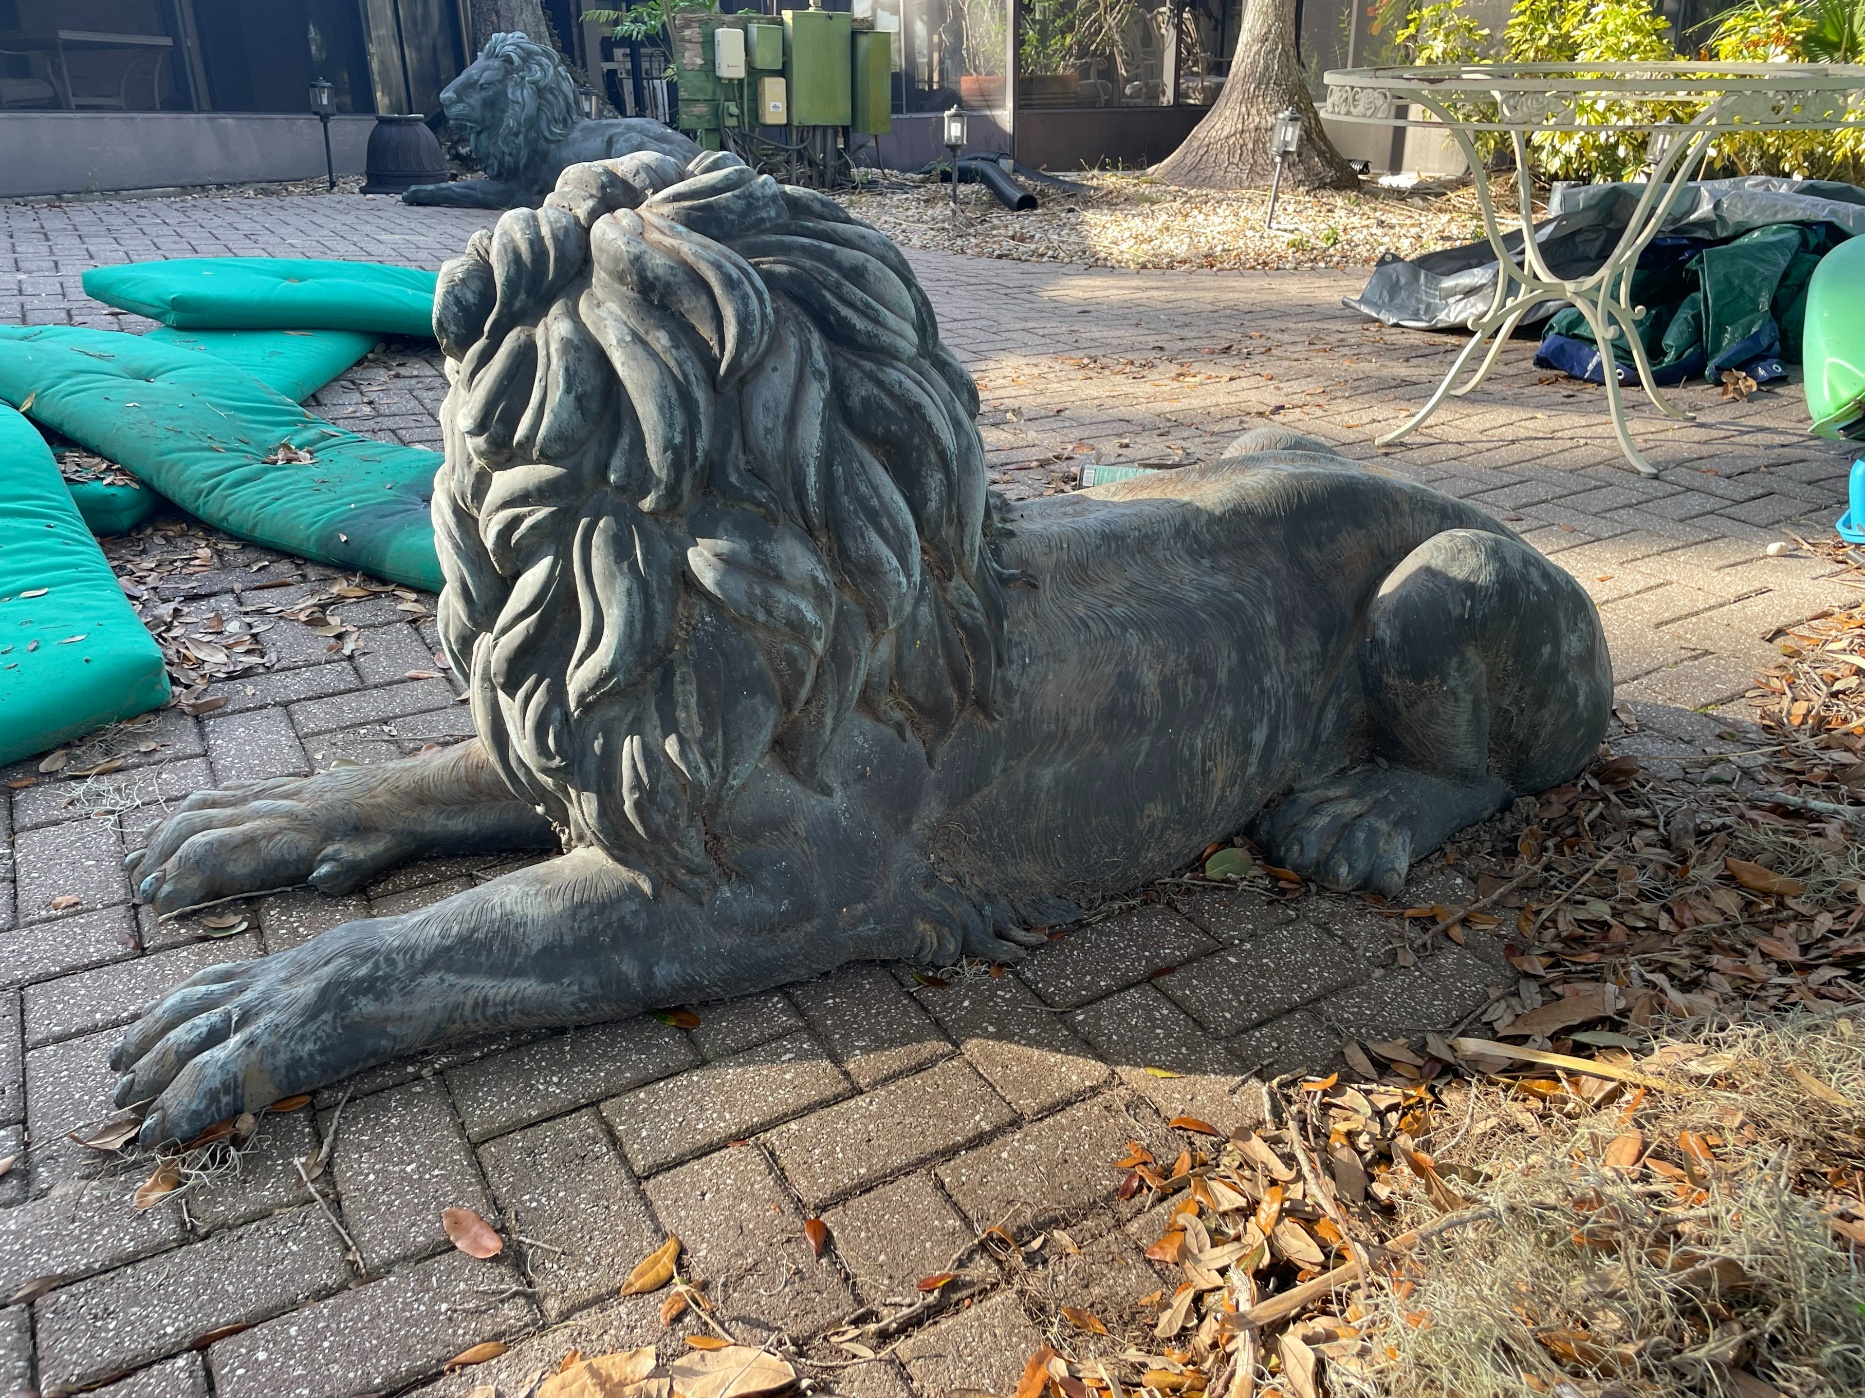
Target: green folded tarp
1833,344
295,363
200,435
73,655
270,293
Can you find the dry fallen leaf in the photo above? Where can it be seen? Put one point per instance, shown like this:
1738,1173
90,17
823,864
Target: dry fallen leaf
290,1104
1624,1150
478,1354
653,1271
1192,1123
674,1306
934,1282
65,900
605,1376
1589,1003
707,1342
7,1162
679,1019
737,1371
818,1234
112,1135
55,761
1035,1380
470,1233
1758,878
166,1180
1083,1320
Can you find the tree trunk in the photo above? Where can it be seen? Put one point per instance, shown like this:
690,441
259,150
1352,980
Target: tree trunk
1229,149
511,17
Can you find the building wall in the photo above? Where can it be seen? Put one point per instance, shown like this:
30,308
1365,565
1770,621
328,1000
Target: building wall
51,152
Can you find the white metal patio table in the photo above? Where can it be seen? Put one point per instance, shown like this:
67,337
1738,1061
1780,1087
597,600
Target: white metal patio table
1686,106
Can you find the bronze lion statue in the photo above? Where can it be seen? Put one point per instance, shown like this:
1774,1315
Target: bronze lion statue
747,635
515,106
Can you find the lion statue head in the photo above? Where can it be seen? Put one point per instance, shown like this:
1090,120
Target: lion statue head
512,103
712,483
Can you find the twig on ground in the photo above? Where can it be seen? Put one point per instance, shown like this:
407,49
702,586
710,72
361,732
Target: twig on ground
230,898
355,1257
1481,904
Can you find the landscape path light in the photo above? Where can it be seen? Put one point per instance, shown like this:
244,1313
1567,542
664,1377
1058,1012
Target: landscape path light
586,101
1285,138
323,103
956,123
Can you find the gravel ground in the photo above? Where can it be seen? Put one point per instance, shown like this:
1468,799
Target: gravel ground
1118,219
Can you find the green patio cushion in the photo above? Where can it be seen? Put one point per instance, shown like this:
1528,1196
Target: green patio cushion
73,655
180,422
296,363
270,293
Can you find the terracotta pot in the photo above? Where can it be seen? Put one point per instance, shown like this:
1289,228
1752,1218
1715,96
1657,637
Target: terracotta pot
403,153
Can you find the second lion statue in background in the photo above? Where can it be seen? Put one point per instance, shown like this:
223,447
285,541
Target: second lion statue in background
747,636
515,106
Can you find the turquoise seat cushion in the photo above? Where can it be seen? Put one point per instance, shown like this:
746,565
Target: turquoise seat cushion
73,656
211,440
295,363
270,293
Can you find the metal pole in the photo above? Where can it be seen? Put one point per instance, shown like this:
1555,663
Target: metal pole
330,165
954,150
1275,185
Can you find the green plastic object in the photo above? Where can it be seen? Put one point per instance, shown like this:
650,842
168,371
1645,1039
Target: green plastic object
73,656
764,47
270,293
874,83
1833,344
295,363
817,67
201,436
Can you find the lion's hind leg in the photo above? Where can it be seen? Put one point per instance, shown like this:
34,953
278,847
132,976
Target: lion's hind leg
1486,676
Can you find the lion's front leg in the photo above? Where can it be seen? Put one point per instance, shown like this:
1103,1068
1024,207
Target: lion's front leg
471,194
334,830
575,940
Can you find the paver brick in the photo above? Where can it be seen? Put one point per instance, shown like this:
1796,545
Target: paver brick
288,919
267,1180
1435,994
892,1236
1160,1052
565,1072
15,1349
80,859
1047,1173
727,1027
157,1307
411,900
1241,987
561,1185
180,1377
314,716
400,1159
51,949
696,1111
139,795
624,1323
254,746
983,1347
1020,1045
740,1228
1103,957
12,1061
870,1025
385,654
77,1229
68,1085
894,1128
377,1337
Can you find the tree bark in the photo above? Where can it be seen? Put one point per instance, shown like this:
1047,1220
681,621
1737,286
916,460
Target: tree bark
511,17
1229,149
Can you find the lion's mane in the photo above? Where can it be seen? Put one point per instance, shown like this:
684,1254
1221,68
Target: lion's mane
534,101
711,484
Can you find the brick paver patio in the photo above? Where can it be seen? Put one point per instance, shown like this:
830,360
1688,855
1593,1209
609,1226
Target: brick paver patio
906,1115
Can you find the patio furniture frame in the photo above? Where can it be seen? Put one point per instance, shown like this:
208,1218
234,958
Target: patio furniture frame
1526,100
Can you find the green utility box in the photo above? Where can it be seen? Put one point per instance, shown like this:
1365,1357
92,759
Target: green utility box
874,83
817,67
764,46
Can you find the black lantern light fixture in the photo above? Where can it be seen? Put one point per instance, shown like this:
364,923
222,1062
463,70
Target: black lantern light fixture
1285,138
586,102
1659,143
956,124
323,103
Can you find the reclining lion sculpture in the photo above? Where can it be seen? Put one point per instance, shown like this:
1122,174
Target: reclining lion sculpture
746,633
515,106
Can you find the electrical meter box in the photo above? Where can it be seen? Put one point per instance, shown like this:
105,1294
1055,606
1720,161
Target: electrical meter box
873,97
764,45
773,110
817,67
728,53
